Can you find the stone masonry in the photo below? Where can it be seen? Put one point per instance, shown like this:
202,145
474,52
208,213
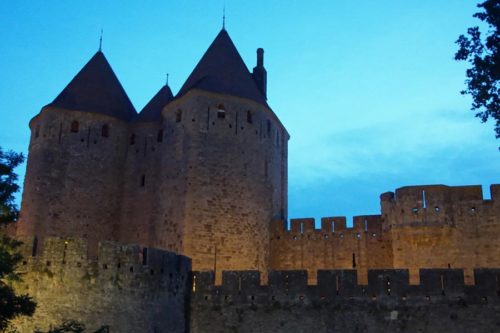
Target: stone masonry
174,219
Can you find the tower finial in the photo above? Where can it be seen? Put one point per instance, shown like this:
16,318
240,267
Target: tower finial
167,80
100,42
224,18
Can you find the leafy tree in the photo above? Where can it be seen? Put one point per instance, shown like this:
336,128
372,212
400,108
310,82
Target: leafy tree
8,185
483,53
11,305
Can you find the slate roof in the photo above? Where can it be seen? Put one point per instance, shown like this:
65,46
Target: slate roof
96,89
152,110
222,70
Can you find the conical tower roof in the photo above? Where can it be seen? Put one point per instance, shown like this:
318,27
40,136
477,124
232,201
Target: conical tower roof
222,70
152,110
96,89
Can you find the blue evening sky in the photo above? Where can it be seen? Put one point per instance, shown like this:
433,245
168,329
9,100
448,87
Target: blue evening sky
368,90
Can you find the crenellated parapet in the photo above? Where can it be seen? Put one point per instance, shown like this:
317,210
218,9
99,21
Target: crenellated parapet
333,246
126,287
438,205
387,285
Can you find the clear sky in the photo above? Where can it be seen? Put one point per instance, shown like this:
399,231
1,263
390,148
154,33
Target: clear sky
368,90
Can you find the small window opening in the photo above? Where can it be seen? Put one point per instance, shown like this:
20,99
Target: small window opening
354,260
105,131
34,250
132,139
194,284
473,209
178,116
365,224
326,236
341,235
37,131
415,210
333,227
145,256
221,111
268,128
424,201
143,180
249,117
437,209
301,227
131,269
358,235
75,127
159,137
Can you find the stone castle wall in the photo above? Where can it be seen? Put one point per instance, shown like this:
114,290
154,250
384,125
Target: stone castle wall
420,226
230,155
129,288
74,176
387,302
440,227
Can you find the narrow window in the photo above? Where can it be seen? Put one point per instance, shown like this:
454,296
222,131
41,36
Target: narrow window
424,201
105,131
74,126
34,250
145,256
366,224
301,227
249,117
268,128
333,227
132,139
221,112
159,138
143,180
354,260
37,131
178,116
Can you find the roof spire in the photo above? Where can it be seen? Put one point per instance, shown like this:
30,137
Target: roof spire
100,42
224,18
167,80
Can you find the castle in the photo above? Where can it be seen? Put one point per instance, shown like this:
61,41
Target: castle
198,182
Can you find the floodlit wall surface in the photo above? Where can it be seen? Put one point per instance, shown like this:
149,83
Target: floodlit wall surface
127,288
419,227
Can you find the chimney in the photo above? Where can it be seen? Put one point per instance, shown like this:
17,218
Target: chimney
259,73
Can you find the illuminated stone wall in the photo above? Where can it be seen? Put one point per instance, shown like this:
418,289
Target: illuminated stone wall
233,172
128,288
74,177
420,227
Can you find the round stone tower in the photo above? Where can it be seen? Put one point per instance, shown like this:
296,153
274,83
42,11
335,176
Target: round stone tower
225,163
76,155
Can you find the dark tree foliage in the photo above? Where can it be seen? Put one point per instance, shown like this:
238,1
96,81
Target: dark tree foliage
74,327
11,305
483,53
8,185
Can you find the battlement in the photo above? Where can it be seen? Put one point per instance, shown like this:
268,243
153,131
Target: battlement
440,193
329,225
130,263
292,287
